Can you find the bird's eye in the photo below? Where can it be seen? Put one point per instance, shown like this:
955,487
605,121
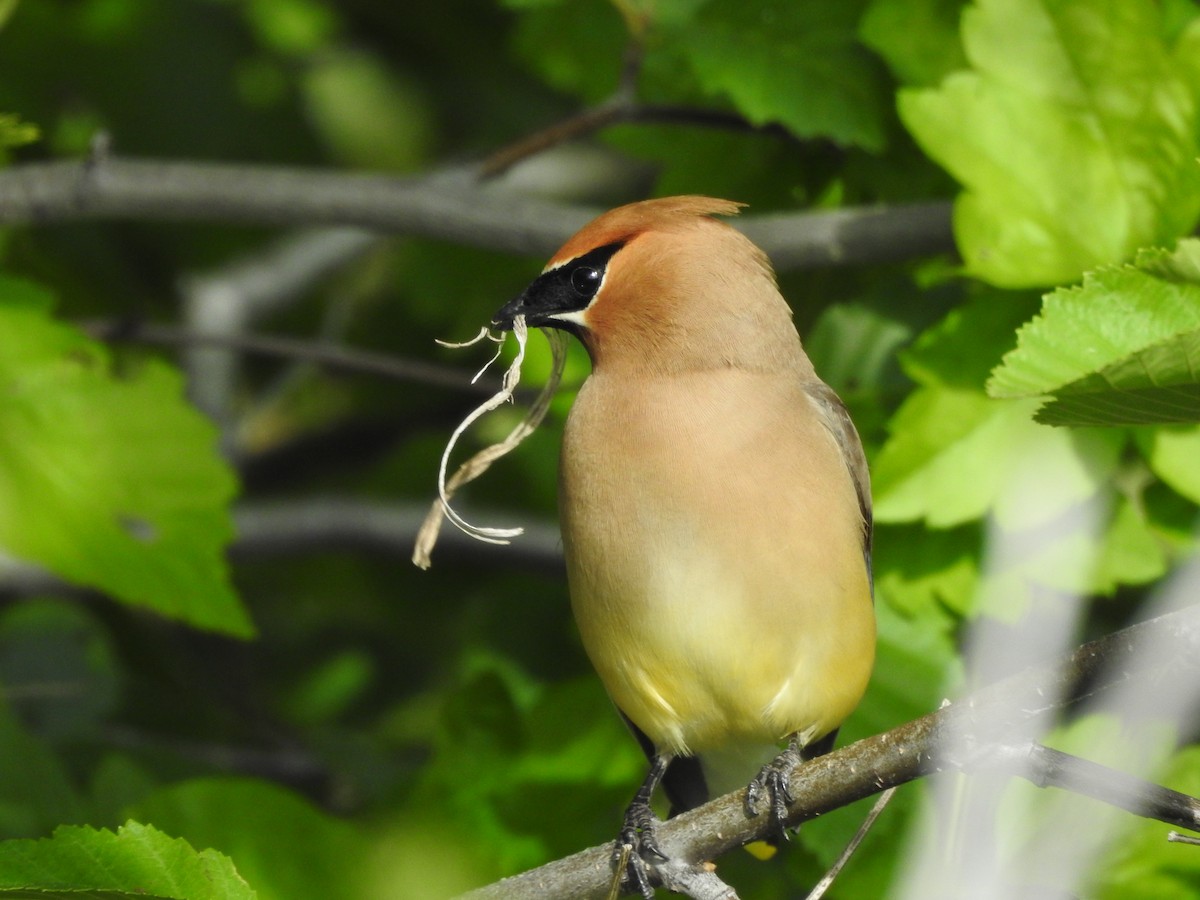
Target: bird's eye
586,280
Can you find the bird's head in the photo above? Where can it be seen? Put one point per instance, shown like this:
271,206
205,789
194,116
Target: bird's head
661,286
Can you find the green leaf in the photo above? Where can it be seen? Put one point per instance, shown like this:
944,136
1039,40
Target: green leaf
852,345
941,462
1122,348
956,455
280,843
1160,384
576,47
1088,550
137,861
110,481
1073,135
962,349
536,755
922,571
798,64
14,132
917,38
1130,551
1174,456
331,687
1187,45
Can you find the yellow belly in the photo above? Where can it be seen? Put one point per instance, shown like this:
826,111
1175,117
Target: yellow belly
698,658
721,593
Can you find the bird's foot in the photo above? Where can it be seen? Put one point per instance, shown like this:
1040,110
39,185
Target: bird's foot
637,849
772,781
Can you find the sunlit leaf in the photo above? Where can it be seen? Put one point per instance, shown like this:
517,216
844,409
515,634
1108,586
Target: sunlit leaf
1073,135
1122,348
955,455
110,481
137,861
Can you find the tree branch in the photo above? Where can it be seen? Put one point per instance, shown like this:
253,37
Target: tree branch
325,523
332,524
451,205
344,359
991,716
231,299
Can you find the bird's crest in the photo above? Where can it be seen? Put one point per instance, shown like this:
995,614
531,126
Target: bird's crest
625,222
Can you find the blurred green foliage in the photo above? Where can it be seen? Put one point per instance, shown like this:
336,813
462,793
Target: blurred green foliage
393,733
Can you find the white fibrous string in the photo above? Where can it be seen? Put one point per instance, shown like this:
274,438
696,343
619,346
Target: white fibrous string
485,333
481,461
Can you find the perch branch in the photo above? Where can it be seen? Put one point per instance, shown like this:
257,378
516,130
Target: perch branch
991,716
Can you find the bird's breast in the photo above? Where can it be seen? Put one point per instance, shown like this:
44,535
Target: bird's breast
715,555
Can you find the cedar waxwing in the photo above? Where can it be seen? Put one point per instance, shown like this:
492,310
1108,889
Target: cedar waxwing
715,507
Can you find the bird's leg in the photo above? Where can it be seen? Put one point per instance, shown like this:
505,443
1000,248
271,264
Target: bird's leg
637,830
772,780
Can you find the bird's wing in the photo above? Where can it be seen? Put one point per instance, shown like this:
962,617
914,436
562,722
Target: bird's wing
835,418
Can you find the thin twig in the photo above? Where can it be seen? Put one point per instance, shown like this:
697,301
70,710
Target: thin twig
614,886
295,349
572,128
618,111
823,885
622,106
289,765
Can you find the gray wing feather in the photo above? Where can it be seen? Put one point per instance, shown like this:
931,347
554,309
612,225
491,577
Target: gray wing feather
837,420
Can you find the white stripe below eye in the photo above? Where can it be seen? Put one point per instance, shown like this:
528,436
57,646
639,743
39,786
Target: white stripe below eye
575,317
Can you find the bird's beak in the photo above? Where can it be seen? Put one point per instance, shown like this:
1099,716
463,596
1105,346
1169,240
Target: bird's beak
503,319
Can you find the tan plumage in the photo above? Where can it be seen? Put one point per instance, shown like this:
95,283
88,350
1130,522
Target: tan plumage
714,498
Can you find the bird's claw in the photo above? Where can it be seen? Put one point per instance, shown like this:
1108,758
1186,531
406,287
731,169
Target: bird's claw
772,781
637,847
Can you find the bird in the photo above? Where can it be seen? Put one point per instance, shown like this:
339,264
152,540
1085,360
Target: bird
715,508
